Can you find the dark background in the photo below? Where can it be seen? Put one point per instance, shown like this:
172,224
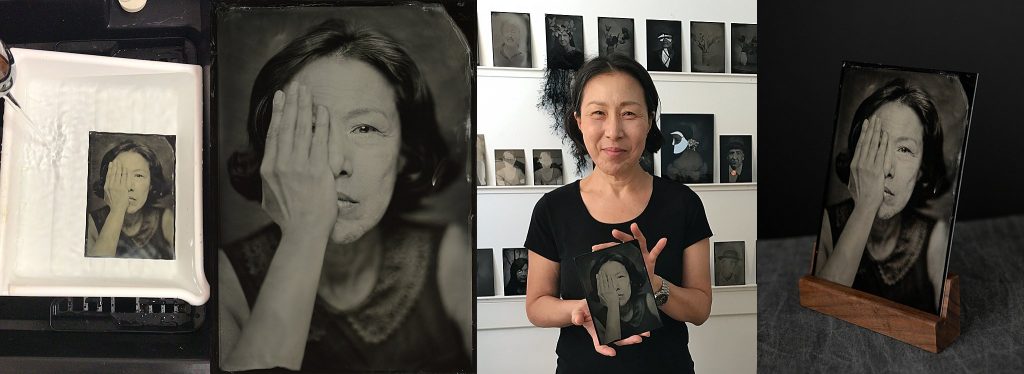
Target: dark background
802,46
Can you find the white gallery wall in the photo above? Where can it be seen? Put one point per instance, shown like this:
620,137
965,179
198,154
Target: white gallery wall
508,117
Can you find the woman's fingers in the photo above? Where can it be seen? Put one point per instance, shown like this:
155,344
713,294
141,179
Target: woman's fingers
872,150
883,150
621,236
639,237
286,126
321,132
303,124
598,247
630,340
658,247
273,131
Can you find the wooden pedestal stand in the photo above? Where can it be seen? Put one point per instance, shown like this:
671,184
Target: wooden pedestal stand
909,325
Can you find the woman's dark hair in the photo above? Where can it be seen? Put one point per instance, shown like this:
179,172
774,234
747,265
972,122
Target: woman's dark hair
158,185
636,280
426,167
614,62
933,181
517,265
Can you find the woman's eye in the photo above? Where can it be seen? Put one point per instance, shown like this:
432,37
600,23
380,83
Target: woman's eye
628,114
597,113
904,149
365,129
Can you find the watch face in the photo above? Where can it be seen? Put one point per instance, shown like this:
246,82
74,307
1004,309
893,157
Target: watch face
661,299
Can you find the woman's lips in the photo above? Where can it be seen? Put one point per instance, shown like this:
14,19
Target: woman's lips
613,151
345,202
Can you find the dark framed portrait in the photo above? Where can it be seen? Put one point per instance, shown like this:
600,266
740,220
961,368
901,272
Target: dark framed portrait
616,35
376,101
897,157
688,152
707,47
130,210
510,40
618,291
730,269
564,41
744,48
737,157
664,45
548,167
509,167
515,268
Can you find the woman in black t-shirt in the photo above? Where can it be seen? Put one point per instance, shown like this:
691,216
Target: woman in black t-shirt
611,120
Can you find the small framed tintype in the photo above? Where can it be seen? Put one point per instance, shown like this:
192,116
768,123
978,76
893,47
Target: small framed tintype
736,159
547,167
894,175
510,38
688,151
564,40
664,45
744,48
707,47
730,269
618,291
481,160
515,266
509,167
616,35
131,196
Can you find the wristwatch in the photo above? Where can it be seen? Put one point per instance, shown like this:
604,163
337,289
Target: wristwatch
661,297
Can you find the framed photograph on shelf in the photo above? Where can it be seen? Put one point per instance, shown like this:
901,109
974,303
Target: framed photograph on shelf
481,160
485,272
509,167
744,48
510,40
616,35
707,47
730,269
564,41
515,268
664,45
893,181
736,159
688,154
547,167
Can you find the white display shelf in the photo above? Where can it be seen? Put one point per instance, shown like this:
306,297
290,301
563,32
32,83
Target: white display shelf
497,190
657,76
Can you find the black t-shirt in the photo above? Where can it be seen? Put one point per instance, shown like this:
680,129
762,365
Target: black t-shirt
562,228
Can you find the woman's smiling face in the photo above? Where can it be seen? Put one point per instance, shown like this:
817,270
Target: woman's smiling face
365,139
614,122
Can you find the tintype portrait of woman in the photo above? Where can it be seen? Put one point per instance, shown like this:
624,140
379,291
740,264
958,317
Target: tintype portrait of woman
344,140
131,211
624,304
891,195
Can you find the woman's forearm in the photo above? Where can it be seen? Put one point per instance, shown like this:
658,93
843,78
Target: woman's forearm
276,331
106,244
841,265
550,311
691,305
613,328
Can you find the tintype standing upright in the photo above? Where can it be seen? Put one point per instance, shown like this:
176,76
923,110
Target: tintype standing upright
510,38
744,48
616,35
737,159
664,45
707,47
343,226
687,155
891,195
564,41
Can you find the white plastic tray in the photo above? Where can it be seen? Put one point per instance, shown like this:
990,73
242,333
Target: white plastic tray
44,166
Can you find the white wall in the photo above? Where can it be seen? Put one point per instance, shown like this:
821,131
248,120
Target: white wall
508,118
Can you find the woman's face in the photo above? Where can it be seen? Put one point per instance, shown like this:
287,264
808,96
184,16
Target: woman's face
365,138
138,179
545,160
508,159
906,143
620,279
614,122
522,273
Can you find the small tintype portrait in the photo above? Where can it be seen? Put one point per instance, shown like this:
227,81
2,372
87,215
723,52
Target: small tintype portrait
664,45
616,35
729,266
509,167
516,265
618,291
736,159
744,48
707,47
481,160
890,200
131,196
547,167
564,41
687,154
485,272
510,38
